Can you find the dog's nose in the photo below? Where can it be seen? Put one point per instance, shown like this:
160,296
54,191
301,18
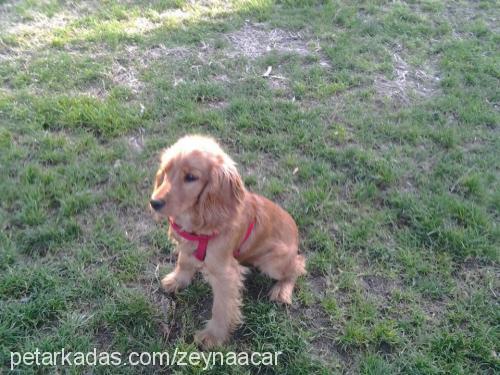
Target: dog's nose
157,204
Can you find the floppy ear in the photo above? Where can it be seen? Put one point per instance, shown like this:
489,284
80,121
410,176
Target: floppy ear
165,158
222,195
160,175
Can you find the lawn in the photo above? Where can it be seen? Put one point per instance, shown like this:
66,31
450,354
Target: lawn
376,127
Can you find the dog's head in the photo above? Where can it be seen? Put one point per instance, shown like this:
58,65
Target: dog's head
196,177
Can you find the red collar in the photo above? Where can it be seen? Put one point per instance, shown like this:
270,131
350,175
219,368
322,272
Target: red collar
201,250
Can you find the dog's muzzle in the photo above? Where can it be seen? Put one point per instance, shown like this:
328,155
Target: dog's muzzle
157,204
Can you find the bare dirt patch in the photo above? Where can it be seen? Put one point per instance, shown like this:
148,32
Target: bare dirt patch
324,333
474,274
467,13
407,81
32,28
136,143
251,41
278,83
126,76
378,285
254,40
31,35
155,52
127,66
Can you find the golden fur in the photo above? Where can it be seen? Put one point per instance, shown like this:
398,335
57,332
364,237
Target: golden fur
202,191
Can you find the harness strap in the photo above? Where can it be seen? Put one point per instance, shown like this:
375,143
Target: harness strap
236,252
201,250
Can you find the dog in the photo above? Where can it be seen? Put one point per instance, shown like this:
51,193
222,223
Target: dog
220,228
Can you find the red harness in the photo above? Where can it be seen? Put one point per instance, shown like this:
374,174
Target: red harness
201,251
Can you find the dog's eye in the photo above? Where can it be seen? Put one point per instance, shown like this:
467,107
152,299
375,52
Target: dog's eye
190,178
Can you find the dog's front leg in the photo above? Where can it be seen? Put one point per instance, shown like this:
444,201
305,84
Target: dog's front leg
182,275
227,285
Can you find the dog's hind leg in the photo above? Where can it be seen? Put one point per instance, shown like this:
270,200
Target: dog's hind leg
283,263
282,290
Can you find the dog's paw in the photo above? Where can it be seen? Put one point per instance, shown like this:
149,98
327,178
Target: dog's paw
172,284
207,339
281,292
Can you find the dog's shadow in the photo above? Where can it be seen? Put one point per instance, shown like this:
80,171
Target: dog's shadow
257,286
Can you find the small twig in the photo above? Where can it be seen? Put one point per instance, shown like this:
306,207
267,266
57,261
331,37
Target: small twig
492,290
278,77
157,273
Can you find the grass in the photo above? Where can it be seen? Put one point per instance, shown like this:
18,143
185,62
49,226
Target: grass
377,129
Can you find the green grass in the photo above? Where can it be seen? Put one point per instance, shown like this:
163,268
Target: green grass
394,184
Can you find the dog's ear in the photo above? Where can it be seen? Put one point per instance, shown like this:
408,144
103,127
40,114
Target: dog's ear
160,175
223,193
165,158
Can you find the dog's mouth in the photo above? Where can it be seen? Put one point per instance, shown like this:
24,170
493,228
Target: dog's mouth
158,217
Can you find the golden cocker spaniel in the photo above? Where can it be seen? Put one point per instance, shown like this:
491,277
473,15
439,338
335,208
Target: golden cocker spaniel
220,227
